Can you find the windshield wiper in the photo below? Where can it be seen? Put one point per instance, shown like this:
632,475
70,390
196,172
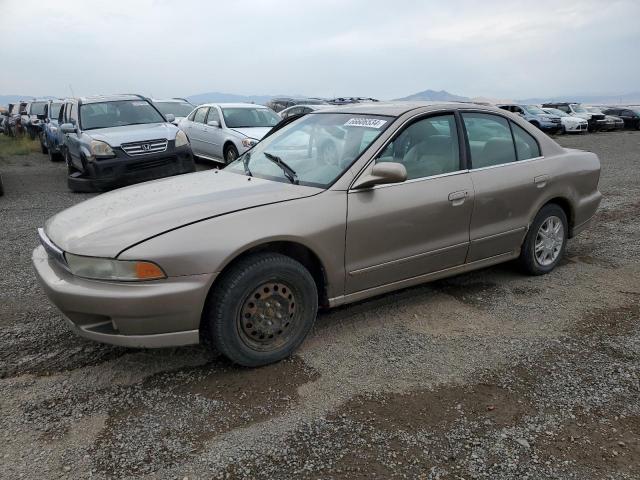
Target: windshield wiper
289,172
245,164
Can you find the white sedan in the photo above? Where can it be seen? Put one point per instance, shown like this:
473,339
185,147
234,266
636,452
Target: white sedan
570,124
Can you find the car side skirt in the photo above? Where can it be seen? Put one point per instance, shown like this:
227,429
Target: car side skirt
428,277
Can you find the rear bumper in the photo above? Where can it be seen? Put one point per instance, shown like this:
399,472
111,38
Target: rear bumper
146,314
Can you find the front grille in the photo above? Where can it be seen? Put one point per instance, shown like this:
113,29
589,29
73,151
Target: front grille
146,147
555,120
147,164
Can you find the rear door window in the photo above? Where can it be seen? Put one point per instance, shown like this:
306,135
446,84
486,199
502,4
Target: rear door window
490,140
526,145
200,115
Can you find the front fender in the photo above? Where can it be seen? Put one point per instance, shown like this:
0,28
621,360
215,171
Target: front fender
317,222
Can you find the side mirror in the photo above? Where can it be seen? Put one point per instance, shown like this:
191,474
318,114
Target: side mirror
381,173
170,117
68,128
214,123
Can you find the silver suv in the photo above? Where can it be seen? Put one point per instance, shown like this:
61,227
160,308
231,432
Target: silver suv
115,140
223,131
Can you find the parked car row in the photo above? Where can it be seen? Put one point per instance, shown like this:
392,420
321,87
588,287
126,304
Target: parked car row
110,141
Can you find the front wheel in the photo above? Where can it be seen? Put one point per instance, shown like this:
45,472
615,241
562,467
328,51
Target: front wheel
230,153
546,240
43,143
261,310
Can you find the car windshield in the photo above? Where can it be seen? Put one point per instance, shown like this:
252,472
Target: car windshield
54,110
37,108
177,109
555,111
533,110
244,117
318,147
593,110
117,114
579,109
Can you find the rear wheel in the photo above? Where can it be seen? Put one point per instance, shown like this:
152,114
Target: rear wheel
230,153
546,240
261,310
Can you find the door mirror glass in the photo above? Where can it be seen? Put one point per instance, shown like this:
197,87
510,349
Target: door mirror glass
67,128
381,173
213,123
170,117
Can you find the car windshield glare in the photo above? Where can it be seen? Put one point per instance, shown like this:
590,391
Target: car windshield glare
246,117
319,147
117,114
555,111
37,108
54,111
177,109
534,110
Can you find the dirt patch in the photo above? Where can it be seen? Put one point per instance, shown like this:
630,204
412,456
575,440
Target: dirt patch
183,409
599,441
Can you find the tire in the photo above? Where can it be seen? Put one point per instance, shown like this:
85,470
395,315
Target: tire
550,250
32,133
245,315
43,144
1,187
230,153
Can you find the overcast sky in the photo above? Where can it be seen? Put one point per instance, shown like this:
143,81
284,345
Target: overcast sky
385,49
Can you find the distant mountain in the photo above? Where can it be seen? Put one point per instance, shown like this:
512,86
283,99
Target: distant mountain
211,97
624,99
434,96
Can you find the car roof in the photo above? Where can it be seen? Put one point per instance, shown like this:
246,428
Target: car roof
395,109
111,98
171,100
234,105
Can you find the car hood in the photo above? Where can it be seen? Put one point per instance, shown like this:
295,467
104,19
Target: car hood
106,225
547,116
253,132
115,136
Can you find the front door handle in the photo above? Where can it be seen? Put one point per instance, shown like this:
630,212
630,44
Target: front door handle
458,198
541,181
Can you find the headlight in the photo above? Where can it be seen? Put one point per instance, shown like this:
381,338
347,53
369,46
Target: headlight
109,269
101,149
249,142
181,139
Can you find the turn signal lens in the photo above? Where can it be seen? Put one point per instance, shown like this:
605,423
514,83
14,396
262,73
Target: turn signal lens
148,271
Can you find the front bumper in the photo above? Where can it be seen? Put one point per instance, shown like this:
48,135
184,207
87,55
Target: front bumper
151,314
124,170
550,127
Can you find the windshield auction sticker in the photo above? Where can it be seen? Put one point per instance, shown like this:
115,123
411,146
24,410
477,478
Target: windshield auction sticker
365,122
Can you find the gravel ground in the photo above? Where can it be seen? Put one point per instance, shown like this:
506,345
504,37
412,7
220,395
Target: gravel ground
489,375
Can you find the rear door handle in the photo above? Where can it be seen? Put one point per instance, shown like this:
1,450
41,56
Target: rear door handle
458,198
541,181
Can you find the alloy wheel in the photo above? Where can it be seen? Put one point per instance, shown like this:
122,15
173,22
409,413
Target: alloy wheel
549,241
